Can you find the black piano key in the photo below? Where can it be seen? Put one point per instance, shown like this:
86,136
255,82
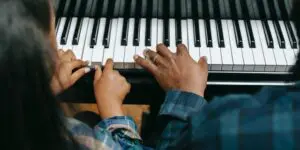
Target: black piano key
249,31
148,32
196,33
250,35
285,16
178,22
124,38
67,26
125,32
196,23
95,31
60,9
107,30
138,15
279,34
268,34
136,34
261,9
237,33
278,31
291,34
65,33
166,32
77,31
178,32
79,22
166,17
220,33
208,33
148,23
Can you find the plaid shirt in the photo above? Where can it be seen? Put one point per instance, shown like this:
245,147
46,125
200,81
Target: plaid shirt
269,119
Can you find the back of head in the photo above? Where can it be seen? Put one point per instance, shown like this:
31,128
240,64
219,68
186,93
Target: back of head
30,114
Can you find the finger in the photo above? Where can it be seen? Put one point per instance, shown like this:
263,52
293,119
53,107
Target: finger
154,57
60,52
203,63
163,51
181,49
98,73
78,74
78,64
146,64
109,65
70,55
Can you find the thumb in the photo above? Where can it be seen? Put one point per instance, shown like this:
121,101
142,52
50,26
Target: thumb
98,73
203,63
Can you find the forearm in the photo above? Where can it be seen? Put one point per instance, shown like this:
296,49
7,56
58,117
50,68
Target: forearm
175,112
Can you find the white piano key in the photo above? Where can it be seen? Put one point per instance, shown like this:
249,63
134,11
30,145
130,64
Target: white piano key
160,31
142,46
258,54
237,55
193,51
87,51
69,45
215,52
154,32
60,31
278,52
288,51
172,29
109,52
184,33
98,50
226,51
247,52
78,49
204,50
268,53
129,49
119,49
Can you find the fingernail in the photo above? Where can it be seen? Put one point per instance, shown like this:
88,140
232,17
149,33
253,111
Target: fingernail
205,58
135,57
86,70
145,52
95,67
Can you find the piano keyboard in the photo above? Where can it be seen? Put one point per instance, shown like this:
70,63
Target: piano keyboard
230,44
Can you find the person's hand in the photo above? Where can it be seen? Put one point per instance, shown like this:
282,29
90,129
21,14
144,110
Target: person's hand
176,70
64,77
110,91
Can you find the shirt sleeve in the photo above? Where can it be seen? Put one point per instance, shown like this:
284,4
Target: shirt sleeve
174,114
113,133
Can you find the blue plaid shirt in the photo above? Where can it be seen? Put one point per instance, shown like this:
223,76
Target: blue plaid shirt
269,119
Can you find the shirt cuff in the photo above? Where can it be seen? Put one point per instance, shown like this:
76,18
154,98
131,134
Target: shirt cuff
181,104
125,123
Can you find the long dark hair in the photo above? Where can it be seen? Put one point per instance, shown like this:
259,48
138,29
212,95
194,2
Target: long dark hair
31,118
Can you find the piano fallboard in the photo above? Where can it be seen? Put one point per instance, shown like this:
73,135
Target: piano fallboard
145,89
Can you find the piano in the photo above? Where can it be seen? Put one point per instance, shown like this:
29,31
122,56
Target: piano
248,43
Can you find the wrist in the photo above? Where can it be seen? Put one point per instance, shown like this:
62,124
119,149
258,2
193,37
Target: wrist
109,108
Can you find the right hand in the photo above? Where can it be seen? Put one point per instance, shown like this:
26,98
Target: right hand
110,91
176,70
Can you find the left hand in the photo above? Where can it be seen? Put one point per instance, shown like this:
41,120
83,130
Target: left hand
64,77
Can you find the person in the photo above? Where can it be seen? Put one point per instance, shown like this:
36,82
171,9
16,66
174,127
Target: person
268,119
34,72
